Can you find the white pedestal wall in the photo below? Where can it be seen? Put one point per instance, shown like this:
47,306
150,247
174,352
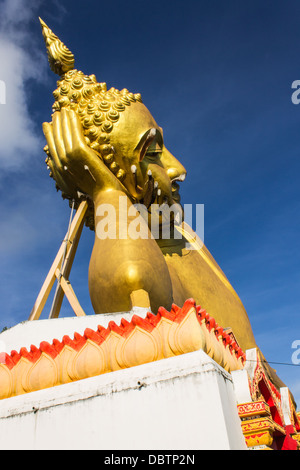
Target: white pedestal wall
185,402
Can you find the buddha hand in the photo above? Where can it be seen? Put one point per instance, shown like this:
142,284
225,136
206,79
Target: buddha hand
73,164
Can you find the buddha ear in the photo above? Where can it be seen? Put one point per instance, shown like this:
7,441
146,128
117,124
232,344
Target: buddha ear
60,58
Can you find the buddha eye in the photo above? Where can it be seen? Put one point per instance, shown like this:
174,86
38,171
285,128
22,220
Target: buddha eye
152,155
154,151
152,146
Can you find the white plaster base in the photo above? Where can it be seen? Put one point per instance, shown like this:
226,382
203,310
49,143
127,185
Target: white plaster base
185,402
33,332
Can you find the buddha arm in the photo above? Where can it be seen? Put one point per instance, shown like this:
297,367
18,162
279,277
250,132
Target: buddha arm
121,265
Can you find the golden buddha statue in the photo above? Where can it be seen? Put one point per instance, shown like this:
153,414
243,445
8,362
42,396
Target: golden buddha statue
106,144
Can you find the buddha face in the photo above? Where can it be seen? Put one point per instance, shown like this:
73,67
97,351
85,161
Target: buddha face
151,170
119,127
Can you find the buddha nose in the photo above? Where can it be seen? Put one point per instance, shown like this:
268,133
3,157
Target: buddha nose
174,168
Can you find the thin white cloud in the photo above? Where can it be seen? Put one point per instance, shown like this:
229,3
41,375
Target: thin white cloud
20,61
14,12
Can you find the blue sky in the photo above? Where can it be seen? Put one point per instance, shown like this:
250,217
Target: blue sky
217,77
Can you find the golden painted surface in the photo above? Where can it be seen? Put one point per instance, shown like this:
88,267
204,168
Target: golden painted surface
255,440
139,341
247,410
263,429
260,431
106,144
261,424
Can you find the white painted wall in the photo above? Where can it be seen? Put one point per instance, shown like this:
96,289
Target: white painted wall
34,332
184,402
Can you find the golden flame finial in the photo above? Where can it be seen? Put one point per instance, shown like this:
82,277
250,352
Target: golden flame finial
60,58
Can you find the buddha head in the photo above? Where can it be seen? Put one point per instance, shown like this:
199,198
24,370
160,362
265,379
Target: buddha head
118,127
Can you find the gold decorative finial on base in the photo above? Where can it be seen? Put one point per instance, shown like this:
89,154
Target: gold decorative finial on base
60,58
